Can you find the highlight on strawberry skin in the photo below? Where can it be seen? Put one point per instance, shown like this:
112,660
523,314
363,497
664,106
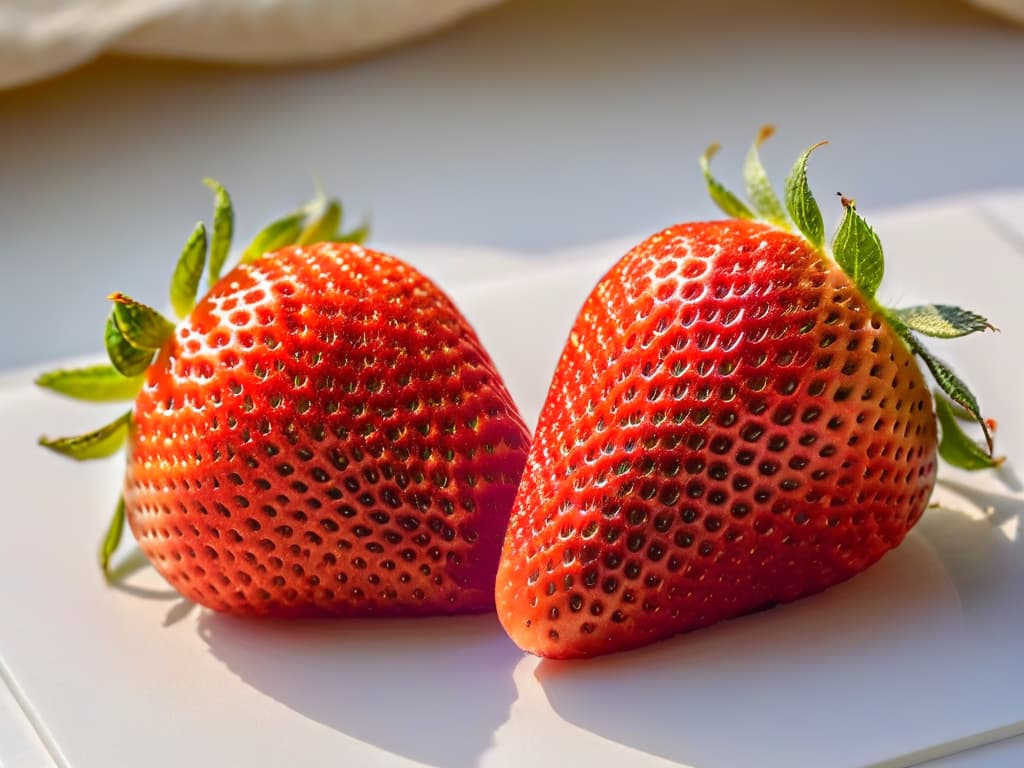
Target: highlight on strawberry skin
320,433
737,422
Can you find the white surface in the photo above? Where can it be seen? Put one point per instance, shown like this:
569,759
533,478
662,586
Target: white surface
38,39
1006,753
537,125
917,658
22,747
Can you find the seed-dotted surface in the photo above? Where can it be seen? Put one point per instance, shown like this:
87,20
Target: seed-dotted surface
730,426
325,434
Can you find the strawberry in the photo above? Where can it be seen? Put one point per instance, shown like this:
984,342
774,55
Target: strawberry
735,422
323,433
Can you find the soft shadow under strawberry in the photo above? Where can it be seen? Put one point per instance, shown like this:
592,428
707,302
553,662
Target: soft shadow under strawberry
981,573
850,666
432,690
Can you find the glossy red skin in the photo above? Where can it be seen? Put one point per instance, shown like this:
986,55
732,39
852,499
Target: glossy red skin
325,435
730,427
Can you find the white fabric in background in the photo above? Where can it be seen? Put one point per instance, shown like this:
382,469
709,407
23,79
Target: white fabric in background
1012,9
39,38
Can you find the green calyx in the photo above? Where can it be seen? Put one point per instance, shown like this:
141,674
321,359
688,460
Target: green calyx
98,444
135,332
94,383
857,249
112,537
318,221
956,446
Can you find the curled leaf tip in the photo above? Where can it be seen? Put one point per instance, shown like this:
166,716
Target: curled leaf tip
800,202
955,446
759,188
223,228
119,298
97,444
358,235
766,132
728,202
713,149
318,188
817,146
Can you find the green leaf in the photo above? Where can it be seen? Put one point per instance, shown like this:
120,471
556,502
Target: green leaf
802,206
97,444
960,412
223,229
730,204
759,188
858,250
324,228
953,386
128,360
140,325
188,272
357,235
943,321
277,234
95,383
956,447
112,537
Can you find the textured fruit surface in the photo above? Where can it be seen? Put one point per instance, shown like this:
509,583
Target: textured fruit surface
730,426
325,434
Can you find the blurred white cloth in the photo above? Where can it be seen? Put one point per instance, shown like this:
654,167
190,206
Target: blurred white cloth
1013,9
39,38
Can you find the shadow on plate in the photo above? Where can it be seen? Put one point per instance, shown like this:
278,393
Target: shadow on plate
133,563
860,666
432,690
982,556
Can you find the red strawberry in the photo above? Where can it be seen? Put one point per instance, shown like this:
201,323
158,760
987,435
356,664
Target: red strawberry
323,433
735,422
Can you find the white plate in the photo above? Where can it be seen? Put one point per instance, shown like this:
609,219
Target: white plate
916,658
